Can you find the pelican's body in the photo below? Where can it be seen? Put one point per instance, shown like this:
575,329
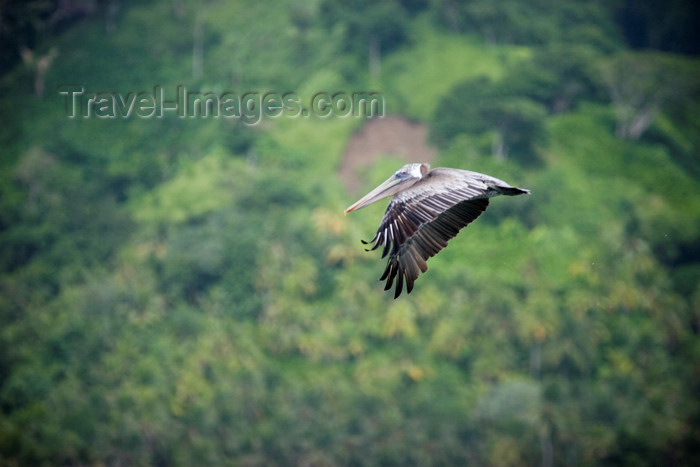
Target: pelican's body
428,208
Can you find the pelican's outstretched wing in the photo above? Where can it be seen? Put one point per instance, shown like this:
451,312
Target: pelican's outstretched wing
420,220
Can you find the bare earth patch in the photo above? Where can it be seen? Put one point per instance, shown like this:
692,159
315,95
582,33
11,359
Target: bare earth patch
394,136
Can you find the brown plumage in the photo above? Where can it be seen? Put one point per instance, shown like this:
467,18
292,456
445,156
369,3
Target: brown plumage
428,208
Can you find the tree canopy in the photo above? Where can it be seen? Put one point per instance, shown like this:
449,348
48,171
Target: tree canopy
187,291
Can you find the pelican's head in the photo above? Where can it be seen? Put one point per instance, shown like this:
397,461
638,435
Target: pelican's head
405,177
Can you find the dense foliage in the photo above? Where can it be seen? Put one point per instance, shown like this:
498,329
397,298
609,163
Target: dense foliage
187,291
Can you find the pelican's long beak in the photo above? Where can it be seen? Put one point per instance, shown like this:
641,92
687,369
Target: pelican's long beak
386,189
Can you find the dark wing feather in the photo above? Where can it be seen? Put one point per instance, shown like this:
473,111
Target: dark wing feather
420,221
408,259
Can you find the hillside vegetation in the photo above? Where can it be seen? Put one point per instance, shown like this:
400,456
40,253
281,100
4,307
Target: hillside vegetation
187,291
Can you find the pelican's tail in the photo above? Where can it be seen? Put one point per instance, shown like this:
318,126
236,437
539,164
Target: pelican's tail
511,190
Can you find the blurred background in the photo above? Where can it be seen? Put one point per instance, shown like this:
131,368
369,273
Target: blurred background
187,291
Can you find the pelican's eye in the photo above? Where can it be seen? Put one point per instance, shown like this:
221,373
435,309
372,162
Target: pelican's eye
401,173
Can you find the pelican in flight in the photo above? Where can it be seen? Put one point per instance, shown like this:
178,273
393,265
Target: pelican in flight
428,208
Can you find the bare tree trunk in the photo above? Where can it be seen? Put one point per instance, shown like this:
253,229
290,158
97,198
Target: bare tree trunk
633,116
178,8
641,123
113,7
375,66
546,444
198,48
498,146
535,359
640,84
40,65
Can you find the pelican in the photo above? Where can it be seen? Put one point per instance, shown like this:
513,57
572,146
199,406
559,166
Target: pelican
428,208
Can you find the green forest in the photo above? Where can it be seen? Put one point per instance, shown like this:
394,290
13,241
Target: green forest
184,289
